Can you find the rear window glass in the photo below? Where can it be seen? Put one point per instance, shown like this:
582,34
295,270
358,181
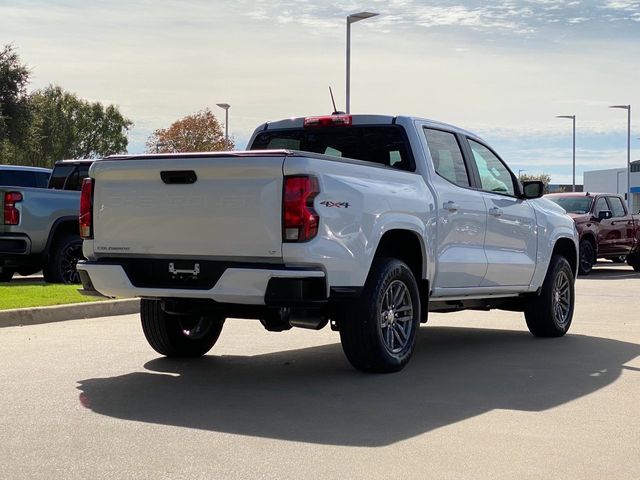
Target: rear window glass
385,145
69,177
16,178
573,204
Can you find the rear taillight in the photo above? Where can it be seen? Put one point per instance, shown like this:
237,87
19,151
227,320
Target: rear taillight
86,209
11,213
328,121
299,219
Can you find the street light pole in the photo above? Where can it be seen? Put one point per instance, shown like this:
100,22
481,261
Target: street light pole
226,108
520,170
573,118
353,18
628,109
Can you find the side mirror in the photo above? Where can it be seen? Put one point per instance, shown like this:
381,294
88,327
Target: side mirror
604,215
532,189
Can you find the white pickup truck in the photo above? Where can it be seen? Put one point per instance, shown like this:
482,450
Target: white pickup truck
366,221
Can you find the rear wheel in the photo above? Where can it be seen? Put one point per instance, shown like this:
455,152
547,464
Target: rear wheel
63,258
378,332
550,314
184,335
6,275
587,257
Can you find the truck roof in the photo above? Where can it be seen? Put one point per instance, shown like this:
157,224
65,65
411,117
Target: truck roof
580,194
366,119
75,161
25,168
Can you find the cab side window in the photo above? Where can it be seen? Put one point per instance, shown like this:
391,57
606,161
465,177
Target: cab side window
446,155
601,205
494,175
616,207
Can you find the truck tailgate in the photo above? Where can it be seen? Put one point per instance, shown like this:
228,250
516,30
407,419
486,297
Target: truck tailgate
231,209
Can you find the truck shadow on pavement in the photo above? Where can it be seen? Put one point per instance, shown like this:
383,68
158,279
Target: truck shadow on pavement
312,395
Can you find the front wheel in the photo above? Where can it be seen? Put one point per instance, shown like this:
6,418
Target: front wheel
587,257
550,314
378,332
185,335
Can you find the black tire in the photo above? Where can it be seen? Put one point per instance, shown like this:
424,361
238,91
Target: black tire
550,314
6,275
63,258
178,335
587,257
375,336
634,261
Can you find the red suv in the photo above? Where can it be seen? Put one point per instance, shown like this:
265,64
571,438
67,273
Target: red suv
605,226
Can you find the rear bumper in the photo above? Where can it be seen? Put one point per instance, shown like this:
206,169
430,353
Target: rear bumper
279,287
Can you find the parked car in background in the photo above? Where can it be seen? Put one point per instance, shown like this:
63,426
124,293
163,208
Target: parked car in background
40,227
606,227
20,176
365,221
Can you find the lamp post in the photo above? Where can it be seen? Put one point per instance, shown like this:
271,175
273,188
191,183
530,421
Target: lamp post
226,107
628,109
573,119
353,18
520,173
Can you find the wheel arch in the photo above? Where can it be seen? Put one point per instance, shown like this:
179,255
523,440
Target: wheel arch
567,248
61,226
408,247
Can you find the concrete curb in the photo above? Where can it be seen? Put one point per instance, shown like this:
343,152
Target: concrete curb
59,313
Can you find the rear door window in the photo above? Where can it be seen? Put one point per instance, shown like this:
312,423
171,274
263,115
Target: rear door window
616,206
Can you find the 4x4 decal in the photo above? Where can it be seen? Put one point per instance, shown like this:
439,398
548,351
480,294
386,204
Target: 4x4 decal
328,203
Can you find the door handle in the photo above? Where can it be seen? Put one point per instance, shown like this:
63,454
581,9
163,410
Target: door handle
451,206
495,211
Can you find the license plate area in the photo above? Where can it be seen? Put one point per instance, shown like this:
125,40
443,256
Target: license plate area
181,271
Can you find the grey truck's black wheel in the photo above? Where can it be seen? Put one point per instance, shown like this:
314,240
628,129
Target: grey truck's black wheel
63,259
378,331
178,335
6,275
550,313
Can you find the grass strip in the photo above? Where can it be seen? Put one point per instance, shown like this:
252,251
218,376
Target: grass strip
24,296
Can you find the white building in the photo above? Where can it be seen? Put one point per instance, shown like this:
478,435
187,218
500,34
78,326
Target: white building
614,180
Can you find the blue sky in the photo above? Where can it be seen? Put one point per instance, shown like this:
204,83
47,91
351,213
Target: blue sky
504,70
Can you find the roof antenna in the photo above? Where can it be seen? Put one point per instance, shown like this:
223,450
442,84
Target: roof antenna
335,110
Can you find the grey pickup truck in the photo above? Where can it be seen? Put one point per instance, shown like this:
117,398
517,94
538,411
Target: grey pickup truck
39,230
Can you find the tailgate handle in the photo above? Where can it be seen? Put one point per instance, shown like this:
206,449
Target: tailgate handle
171,177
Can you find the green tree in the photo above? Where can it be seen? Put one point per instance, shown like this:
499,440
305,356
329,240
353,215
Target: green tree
14,114
541,177
65,126
200,132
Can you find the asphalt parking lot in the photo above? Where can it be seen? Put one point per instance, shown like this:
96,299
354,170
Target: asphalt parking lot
480,399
